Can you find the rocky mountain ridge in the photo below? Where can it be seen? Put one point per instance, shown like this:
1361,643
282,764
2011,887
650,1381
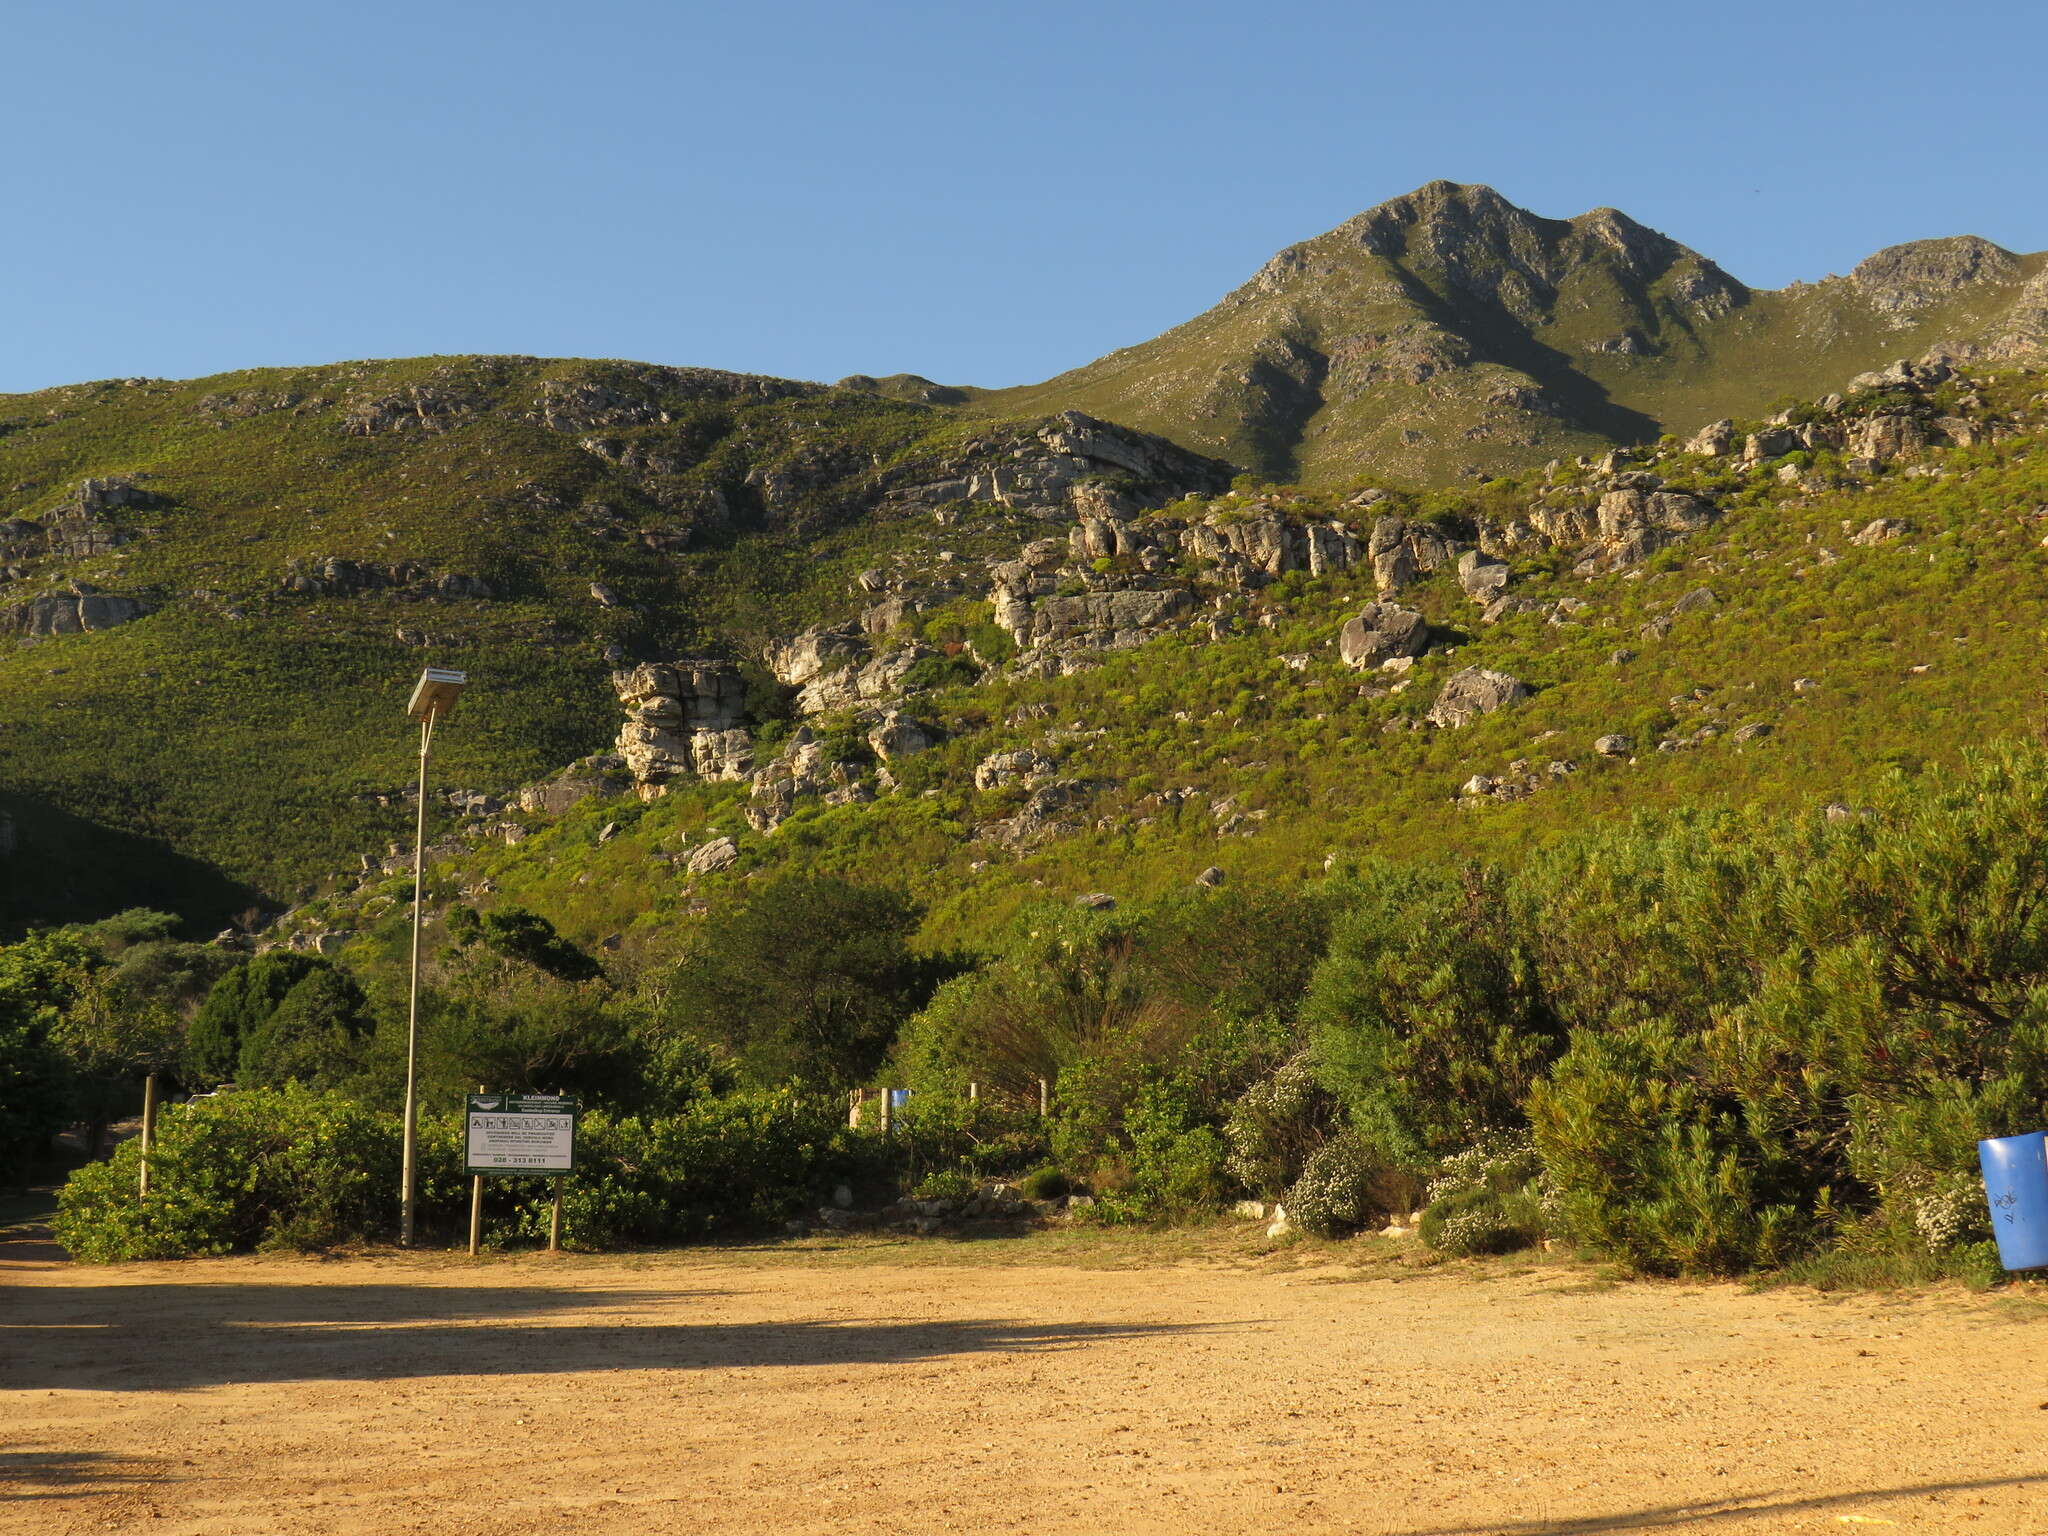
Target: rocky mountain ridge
1449,332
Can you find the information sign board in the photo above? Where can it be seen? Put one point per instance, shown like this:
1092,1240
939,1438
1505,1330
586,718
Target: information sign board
521,1133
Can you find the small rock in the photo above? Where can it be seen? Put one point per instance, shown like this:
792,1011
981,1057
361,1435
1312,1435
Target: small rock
1698,600
719,853
1615,745
842,1196
1805,684
1836,811
1478,784
609,831
1212,876
1750,732
1881,530
1096,901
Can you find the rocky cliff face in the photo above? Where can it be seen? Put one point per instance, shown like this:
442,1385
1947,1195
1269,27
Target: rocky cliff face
1123,575
1450,332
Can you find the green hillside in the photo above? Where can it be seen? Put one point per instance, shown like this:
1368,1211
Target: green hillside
1839,616
1449,333
298,542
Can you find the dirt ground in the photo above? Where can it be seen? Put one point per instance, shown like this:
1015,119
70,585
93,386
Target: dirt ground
1057,1383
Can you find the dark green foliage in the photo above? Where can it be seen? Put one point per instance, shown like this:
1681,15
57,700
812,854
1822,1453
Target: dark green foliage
510,1028
806,978
519,934
293,1168
1427,1017
314,1036
728,1163
1782,1029
40,978
239,1001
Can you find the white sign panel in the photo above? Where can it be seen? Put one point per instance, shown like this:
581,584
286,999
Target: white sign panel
515,1133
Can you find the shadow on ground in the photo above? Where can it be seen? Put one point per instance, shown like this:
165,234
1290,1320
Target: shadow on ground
153,1338
39,1474
1706,1516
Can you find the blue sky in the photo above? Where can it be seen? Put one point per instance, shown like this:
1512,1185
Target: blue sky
979,193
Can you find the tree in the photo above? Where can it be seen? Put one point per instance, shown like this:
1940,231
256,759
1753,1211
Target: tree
313,1036
807,978
239,1001
40,977
111,1038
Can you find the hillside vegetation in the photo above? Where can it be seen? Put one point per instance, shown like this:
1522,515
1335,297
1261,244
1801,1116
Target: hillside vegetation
1640,853
223,588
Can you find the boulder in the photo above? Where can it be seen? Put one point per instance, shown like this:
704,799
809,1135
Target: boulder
1614,745
1881,530
1882,438
683,718
1212,876
1698,600
1382,630
1507,605
1471,693
1713,440
896,735
1023,766
70,613
719,853
1482,576
814,652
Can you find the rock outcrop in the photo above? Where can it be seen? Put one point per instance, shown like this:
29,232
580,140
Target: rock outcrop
1476,691
81,610
683,719
1380,632
334,576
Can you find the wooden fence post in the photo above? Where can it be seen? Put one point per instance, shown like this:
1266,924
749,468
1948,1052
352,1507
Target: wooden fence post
148,1131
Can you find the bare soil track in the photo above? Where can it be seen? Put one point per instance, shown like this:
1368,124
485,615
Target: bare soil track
1035,1385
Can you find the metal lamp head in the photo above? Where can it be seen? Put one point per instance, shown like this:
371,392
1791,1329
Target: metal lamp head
436,693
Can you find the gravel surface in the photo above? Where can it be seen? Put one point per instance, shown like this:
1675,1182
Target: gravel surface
845,1391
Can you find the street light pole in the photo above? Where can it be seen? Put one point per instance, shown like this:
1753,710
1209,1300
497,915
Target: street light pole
434,696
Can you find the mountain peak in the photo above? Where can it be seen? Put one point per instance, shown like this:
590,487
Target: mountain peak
1448,331
1902,279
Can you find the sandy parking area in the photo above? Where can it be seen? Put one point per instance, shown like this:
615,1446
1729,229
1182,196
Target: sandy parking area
1039,1384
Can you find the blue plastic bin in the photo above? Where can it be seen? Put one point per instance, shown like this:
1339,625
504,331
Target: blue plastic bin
2016,1184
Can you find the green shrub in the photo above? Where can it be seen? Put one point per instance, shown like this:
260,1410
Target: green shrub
285,1167
1487,1199
1476,1221
1428,1020
1176,1160
1277,1126
1045,1184
1344,1188
292,1168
